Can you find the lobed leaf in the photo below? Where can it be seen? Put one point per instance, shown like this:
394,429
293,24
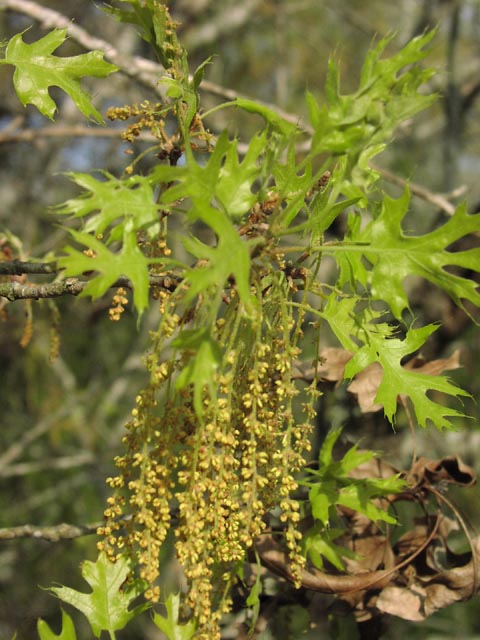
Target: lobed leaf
107,606
392,256
112,203
129,262
170,624
379,344
67,632
206,357
36,70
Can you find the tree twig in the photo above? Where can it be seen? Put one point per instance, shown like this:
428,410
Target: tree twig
19,267
37,466
420,191
75,131
50,534
71,286
27,291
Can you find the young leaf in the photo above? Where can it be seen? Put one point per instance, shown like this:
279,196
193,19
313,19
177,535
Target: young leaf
378,344
332,484
110,203
358,125
253,600
393,256
67,632
170,624
269,115
235,180
37,70
360,495
229,258
223,179
318,543
322,496
107,606
129,262
200,368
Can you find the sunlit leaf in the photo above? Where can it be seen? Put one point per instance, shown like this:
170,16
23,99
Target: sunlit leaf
380,344
206,357
107,605
36,70
67,632
106,205
393,256
129,262
170,624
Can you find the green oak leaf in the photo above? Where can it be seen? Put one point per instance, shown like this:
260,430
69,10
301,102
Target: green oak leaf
318,543
37,70
331,484
170,624
217,264
67,632
392,256
378,343
112,202
223,180
358,125
107,605
201,367
129,262
360,496
235,180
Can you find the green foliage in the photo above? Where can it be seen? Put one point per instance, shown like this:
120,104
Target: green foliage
107,607
215,432
67,632
330,485
36,69
372,341
382,256
170,624
129,262
106,206
200,369
358,125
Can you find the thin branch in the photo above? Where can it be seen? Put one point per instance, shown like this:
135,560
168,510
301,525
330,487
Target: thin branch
20,291
51,534
19,446
76,131
19,267
73,287
63,462
418,190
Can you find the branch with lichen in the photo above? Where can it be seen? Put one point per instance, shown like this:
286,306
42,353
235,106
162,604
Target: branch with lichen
71,286
50,533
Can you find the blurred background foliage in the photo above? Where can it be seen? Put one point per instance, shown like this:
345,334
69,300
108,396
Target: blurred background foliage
62,421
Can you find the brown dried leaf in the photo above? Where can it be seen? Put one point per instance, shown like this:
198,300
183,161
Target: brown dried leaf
365,387
449,470
333,361
418,575
427,594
